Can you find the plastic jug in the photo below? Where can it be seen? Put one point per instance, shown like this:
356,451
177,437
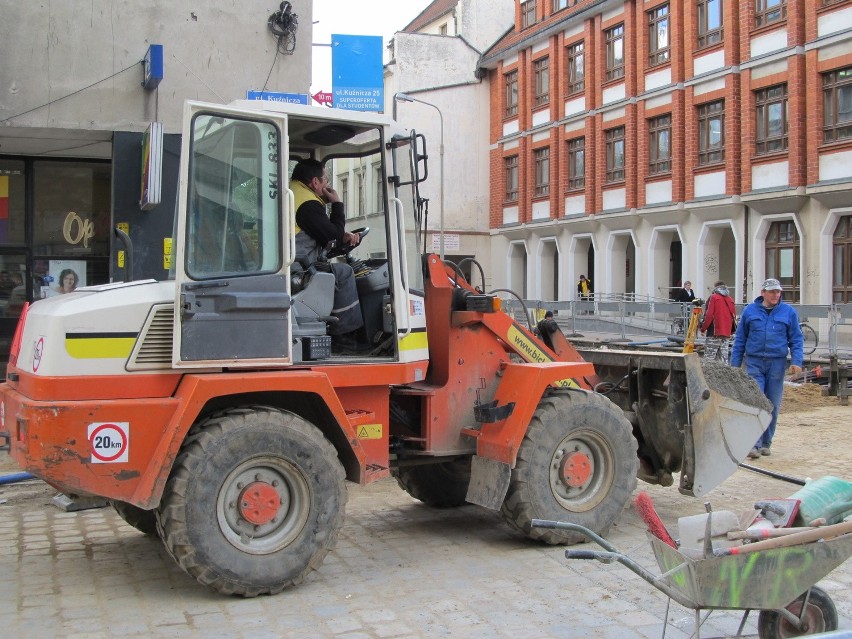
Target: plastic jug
828,497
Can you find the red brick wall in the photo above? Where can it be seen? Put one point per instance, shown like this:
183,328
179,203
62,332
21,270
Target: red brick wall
804,103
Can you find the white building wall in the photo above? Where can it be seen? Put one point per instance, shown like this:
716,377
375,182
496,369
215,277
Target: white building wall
213,51
440,71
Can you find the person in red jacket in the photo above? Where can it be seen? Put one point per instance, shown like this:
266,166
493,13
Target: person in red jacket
718,323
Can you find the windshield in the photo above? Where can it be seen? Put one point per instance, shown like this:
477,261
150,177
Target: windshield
233,203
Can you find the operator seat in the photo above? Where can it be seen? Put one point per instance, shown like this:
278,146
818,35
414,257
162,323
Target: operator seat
312,298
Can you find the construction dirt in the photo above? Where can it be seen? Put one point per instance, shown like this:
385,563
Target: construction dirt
734,383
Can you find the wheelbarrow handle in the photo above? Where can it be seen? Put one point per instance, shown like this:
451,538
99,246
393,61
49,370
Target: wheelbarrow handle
563,525
601,556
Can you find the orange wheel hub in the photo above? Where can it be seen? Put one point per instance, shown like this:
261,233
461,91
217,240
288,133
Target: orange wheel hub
576,469
259,503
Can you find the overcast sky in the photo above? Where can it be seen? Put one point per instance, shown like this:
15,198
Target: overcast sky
355,17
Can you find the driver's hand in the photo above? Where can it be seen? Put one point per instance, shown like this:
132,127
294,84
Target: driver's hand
352,239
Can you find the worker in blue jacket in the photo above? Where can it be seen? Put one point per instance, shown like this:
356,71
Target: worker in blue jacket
768,331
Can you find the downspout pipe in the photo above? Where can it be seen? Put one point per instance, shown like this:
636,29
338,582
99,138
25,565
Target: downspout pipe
744,294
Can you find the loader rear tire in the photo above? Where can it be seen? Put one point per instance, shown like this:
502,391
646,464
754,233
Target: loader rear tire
145,521
254,502
577,463
442,485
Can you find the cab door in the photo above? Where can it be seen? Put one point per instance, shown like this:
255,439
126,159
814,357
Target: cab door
233,242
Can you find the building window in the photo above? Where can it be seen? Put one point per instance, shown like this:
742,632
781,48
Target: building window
511,164
837,105
576,163
362,192
442,30
541,77
769,11
378,189
842,272
615,155
826,3
660,145
542,171
343,190
558,5
511,93
576,69
782,257
527,14
658,35
711,132
771,124
614,52
710,29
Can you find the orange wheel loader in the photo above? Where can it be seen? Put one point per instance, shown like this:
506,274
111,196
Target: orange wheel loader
214,411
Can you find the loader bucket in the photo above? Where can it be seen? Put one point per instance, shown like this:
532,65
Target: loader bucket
723,431
702,426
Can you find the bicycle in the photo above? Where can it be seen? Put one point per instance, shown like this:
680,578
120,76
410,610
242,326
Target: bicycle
811,340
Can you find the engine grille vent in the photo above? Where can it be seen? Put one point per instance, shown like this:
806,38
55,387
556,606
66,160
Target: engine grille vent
154,349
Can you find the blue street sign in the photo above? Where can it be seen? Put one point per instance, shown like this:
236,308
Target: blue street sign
273,96
357,76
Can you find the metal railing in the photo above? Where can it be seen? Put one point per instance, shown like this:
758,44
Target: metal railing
632,318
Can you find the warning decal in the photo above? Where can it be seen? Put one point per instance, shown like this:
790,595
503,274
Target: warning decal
370,431
109,442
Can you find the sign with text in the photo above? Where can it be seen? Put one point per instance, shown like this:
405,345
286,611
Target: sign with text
274,96
357,75
152,166
323,97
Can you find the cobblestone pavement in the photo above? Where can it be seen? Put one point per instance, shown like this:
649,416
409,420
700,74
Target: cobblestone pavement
400,570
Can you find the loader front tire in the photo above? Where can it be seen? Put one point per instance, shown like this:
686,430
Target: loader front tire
441,485
577,463
254,502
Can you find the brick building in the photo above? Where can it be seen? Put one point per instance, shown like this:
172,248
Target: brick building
649,141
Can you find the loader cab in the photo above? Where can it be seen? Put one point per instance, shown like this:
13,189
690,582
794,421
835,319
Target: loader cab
242,298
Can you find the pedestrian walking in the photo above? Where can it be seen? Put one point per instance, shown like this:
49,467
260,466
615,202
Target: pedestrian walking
768,332
719,323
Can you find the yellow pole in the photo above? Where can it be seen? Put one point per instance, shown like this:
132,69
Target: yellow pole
692,331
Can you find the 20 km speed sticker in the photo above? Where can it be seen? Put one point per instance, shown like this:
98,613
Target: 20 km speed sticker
109,442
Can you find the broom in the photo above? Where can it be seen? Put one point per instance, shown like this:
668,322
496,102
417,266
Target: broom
645,507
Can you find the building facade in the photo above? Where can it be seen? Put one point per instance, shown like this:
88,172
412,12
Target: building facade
435,59
647,142
73,110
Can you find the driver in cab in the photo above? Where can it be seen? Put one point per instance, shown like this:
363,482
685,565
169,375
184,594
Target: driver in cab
315,230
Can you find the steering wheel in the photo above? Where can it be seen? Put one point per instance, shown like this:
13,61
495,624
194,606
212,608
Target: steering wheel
338,251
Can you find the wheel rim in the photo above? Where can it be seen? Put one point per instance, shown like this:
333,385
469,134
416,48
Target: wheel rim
581,471
812,622
263,505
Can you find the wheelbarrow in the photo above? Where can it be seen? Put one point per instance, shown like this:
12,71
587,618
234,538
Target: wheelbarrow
777,582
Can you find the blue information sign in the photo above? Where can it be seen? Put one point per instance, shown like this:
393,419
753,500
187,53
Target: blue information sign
356,72
292,98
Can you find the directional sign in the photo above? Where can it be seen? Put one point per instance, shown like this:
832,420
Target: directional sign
322,97
273,96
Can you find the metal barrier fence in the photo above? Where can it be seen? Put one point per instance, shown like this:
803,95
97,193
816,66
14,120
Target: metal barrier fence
624,318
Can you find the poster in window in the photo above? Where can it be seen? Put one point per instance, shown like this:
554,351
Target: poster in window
63,276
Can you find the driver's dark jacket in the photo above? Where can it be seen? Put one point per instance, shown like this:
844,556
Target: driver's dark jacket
311,220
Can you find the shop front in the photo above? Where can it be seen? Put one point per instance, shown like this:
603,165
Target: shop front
55,226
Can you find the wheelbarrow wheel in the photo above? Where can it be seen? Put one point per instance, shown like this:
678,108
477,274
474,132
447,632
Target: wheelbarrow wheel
820,616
